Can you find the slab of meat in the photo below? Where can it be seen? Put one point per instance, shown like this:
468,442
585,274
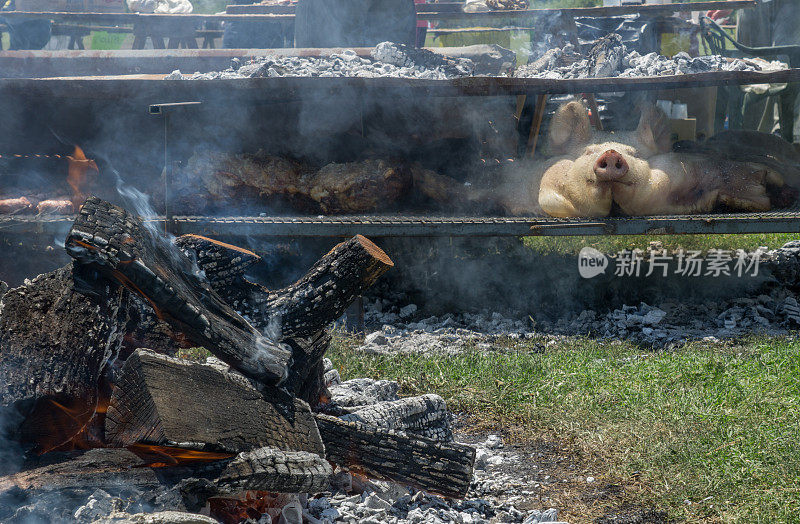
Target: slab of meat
55,206
358,187
14,205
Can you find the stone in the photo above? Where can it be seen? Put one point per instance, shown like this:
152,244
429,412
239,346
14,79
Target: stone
292,513
549,515
408,310
494,442
377,338
654,316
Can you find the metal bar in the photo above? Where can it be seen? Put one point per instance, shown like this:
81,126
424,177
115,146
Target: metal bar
43,64
455,10
138,87
137,18
410,226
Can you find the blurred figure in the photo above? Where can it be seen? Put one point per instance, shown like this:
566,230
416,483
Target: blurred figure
26,33
770,23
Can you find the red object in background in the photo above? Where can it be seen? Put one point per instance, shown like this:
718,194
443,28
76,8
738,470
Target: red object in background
719,14
423,23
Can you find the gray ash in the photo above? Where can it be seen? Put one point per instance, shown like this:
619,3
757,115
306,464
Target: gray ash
387,60
609,57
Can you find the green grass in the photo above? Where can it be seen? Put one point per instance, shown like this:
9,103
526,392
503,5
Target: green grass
719,422
612,244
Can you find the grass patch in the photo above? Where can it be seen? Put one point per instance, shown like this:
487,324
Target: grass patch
614,243
717,426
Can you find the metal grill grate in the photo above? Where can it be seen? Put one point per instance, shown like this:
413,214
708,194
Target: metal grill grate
425,226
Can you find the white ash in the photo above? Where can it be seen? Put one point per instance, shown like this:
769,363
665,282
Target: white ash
772,309
364,392
610,58
387,60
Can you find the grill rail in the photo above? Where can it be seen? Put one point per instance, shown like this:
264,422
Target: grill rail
437,226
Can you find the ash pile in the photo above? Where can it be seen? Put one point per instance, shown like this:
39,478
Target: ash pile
609,57
605,57
768,304
387,59
89,361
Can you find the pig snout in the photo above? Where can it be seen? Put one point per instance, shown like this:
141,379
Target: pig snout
610,166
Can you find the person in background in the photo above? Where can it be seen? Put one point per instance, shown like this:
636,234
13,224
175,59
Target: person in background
770,23
25,33
422,27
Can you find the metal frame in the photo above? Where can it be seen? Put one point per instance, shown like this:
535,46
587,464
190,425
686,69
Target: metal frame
262,90
430,226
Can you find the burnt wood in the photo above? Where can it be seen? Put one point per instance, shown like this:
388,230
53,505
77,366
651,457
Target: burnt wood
304,308
57,484
124,249
270,469
58,335
161,400
445,469
425,415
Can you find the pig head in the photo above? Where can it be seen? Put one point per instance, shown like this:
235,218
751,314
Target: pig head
640,173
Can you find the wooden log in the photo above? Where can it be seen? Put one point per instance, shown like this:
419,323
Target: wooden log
270,469
305,307
445,469
425,415
124,249
56,342
56,484
300,311
167,401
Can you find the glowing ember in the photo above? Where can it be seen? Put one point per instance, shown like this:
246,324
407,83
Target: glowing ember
248,505
163,456
73,424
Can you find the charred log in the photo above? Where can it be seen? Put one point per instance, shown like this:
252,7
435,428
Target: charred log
56,484
445,469
270,469
70,478
161,400
425,415
56,342
124,249
305,307
325,292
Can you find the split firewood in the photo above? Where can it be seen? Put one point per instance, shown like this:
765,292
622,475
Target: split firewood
58,335
305,307
182,486
445,469
124,249
167,401
270,469
299,313
425,415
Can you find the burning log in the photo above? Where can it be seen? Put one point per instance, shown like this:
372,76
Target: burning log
440,468
425,415
305,307
124,249
70,478
270,469
55,345
167,401
298,313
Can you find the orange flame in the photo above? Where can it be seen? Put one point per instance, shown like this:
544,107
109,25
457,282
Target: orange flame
69,424
78,166
164,456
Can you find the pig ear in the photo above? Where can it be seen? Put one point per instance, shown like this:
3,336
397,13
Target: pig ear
569,128
654,132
